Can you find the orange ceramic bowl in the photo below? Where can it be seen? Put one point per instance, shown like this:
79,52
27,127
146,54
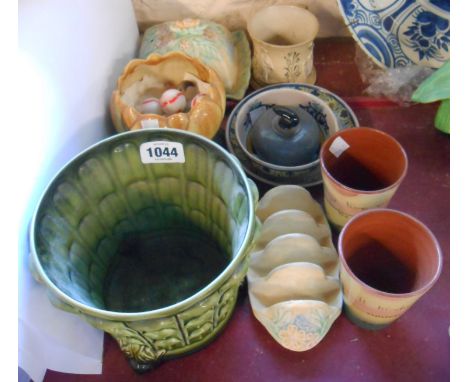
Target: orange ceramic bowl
144,77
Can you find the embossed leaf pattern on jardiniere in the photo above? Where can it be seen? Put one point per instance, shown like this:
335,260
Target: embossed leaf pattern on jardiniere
107,193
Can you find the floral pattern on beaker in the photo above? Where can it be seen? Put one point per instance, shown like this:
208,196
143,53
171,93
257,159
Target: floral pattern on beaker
292,68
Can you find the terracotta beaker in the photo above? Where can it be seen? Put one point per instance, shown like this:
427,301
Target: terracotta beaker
388,261
361,168
283,41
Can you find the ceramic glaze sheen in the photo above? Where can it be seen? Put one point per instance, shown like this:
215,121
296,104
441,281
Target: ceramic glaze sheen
283,42
388,261
151,253
293,281
285,136
149,77
228,54
361,168
400,33
274,176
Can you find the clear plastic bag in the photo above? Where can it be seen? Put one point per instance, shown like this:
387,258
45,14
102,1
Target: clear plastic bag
396,84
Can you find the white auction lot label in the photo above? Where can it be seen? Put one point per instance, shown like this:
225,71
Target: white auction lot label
162,152
338,147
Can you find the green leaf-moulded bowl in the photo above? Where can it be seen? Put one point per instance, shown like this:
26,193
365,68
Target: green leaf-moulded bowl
151,253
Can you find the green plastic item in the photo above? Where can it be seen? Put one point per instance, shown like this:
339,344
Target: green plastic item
437,88
151,253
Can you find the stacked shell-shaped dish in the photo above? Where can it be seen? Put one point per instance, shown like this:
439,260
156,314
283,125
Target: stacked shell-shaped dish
293,279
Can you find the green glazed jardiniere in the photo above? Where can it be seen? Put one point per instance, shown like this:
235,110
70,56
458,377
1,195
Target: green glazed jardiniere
146,235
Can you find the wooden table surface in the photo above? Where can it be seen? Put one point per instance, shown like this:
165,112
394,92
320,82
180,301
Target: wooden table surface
414,348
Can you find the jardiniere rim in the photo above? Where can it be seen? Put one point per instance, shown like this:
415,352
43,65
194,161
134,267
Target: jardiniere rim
227,273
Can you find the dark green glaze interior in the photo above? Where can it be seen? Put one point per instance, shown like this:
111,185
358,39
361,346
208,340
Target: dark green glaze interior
158,269
115,234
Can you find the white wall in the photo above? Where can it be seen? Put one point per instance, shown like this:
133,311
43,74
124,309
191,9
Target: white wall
70,56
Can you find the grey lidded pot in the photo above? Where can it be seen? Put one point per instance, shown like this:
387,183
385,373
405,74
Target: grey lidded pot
286,136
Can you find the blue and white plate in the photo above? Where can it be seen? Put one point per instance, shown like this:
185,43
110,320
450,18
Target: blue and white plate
266,174
399,33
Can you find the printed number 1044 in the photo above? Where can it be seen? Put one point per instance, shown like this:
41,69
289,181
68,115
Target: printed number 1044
160,152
